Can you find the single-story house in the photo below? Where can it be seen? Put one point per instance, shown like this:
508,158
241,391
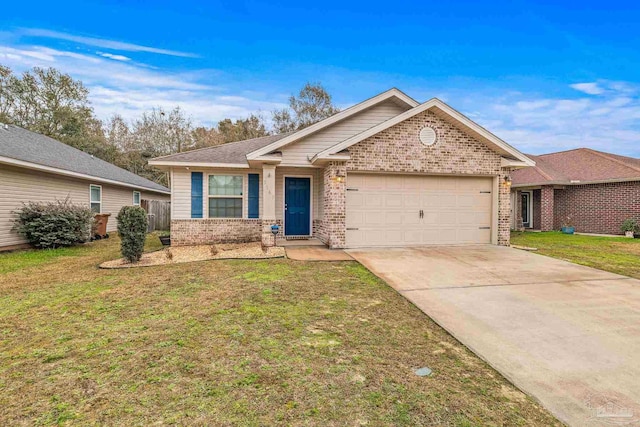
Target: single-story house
388,171
34,167
591,190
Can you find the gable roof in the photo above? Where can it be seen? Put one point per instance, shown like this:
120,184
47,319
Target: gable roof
443,111
231,154
237,154
393,93
21,147
578,166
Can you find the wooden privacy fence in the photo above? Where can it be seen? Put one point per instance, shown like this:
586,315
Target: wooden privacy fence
161,211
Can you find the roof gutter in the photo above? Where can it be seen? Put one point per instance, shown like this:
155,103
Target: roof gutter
575,182
198,164
514,164
35,166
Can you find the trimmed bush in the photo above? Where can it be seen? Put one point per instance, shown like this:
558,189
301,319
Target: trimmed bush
132,227
630,224
54,224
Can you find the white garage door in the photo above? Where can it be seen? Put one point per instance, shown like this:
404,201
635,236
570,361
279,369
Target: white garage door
401,210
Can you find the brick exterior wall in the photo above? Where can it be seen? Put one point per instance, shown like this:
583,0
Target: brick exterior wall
598,208
211,231
504,210
398,149
320,231
546,208
267,234
537,204
334,205
517,211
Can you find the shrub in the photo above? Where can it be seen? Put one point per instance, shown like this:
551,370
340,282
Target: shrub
132,227
54,224
630,225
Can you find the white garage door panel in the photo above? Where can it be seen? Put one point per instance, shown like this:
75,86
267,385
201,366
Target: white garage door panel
383,210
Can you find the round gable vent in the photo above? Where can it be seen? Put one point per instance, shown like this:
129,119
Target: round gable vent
428,136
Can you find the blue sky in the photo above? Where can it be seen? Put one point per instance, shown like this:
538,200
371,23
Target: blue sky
543,76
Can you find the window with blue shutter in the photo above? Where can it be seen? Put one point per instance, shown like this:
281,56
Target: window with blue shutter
254,195
196,194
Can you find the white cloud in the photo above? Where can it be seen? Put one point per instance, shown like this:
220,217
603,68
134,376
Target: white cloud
203,107
533,105
532,122
40,55
103,43
129,88
114,57
588,88
610,122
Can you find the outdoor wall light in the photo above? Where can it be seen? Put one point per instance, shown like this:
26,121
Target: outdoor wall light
507,181
338,178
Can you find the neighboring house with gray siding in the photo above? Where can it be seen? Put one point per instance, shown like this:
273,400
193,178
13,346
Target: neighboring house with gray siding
34,167
388,171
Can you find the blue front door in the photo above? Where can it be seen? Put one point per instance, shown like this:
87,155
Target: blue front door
297,206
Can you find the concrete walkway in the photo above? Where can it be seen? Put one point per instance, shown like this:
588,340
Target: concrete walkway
568,335
316,253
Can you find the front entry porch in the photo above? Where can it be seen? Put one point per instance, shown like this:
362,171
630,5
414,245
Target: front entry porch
307,203
298,242
533,208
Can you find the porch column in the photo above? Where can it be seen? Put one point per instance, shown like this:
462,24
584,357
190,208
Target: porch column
518,211
504,207
268,203
546,208
335,185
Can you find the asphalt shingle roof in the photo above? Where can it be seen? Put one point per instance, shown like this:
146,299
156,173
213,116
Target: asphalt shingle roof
20,144
231,153
575,166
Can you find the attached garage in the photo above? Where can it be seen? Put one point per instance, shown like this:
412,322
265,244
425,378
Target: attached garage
401,210
386,172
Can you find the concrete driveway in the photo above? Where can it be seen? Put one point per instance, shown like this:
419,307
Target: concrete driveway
565,334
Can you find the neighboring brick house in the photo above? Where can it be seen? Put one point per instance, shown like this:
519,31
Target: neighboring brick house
386,172
589,189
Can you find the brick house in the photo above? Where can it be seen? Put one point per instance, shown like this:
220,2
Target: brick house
386,172
592,190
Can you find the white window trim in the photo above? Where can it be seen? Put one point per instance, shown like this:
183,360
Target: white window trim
242,196
284,202
530,207
134,198
93,201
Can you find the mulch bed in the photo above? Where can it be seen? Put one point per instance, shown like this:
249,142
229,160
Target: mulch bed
181,254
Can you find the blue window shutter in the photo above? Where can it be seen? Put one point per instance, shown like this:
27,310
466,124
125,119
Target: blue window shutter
196,194
254,195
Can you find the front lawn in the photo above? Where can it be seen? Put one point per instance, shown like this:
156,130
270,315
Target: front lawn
615,254
230,343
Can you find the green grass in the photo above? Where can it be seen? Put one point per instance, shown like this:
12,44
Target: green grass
246,343
615,254
22,259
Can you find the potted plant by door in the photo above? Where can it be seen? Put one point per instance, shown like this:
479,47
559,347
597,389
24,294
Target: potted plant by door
567,226
629,227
